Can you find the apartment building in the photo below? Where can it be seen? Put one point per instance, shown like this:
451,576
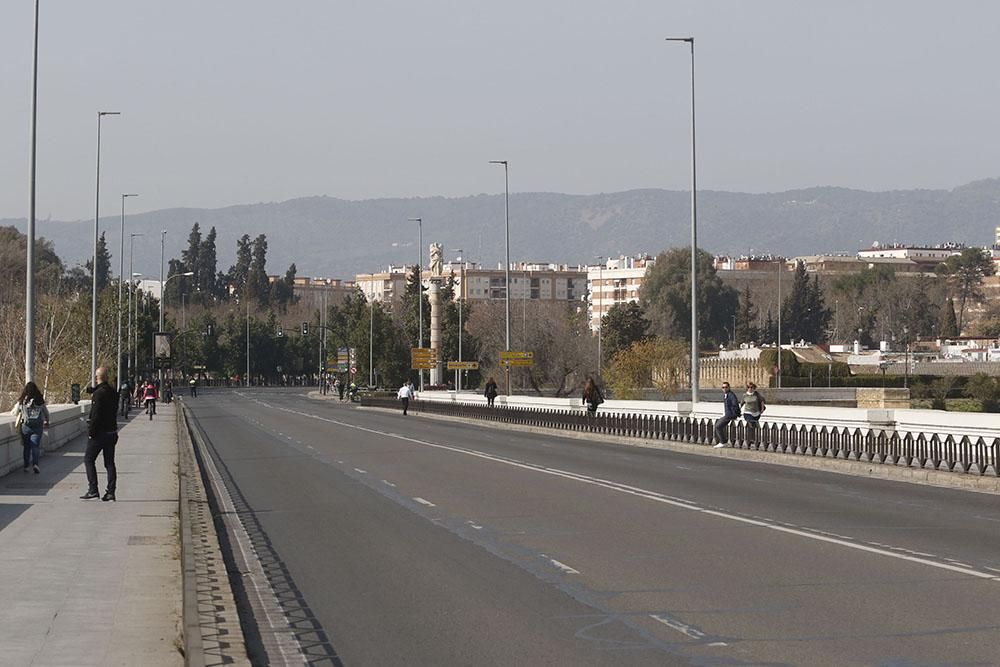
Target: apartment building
617,280
529,280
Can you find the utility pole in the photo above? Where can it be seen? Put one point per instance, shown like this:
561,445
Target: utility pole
29,279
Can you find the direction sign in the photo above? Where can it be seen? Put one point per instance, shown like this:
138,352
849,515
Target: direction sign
516,354
522,363
463,365
423,352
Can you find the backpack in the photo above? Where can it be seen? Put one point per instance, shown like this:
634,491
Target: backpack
33,416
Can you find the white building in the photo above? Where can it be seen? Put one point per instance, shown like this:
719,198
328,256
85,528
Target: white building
616,281
537,281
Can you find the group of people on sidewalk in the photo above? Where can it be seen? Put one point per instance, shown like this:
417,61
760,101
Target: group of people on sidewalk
32,418
751,405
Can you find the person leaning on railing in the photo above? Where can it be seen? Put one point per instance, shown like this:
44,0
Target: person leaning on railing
753,407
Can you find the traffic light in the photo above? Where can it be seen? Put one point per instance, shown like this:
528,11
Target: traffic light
305,328
209,330
281,332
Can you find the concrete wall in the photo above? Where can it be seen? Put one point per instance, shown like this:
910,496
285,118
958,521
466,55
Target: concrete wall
66,422
928,422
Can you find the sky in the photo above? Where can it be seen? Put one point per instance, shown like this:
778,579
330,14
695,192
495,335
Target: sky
241,101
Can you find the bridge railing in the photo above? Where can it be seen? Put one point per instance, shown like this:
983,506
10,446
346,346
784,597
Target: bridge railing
975,454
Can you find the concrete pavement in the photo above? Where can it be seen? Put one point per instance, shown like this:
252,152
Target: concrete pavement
406,540
89,582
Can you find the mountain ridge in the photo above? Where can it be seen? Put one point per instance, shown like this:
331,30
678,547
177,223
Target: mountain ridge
331,236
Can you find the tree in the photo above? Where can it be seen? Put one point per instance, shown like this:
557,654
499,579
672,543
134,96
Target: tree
48,266
989,324
965,273
409,317
746,319
803,313
984,389
207,267
283,290
103,264
949,323
191,258
623,325
257,286
238,272
666,297
654,362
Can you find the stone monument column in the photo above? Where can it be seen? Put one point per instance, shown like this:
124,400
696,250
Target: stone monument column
434,296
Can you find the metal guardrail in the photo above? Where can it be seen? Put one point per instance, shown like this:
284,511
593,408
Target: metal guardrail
954,454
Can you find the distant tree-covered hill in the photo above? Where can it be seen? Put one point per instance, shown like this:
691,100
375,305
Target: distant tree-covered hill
326,236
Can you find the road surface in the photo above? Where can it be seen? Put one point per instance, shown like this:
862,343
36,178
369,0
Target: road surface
408,540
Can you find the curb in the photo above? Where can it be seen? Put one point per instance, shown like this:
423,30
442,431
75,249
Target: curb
894,473
210,615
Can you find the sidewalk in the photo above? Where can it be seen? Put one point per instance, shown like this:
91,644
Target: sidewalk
89,582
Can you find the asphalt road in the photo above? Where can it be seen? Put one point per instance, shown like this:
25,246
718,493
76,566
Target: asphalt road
410,540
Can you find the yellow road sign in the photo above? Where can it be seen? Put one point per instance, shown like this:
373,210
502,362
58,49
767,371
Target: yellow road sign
522,363
463,365
516,354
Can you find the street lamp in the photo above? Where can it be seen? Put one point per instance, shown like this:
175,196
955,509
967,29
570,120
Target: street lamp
506,266
131,289
420,287
29,260
97,212
121,276
600,318
694,240
461,288
371,336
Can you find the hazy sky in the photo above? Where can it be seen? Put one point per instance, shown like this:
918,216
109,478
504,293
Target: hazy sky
239,101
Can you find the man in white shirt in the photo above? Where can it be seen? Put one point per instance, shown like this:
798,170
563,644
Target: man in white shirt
404,394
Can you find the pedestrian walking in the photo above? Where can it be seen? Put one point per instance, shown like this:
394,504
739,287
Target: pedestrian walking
404,394
339,386
193,387
491,391
102,436
31,418
753,407
731,411
592,396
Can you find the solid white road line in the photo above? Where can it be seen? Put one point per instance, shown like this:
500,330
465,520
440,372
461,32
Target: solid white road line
562,566
424,502
655,497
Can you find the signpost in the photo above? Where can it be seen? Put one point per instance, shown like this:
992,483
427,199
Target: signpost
463,365
517,358
423,358
161,350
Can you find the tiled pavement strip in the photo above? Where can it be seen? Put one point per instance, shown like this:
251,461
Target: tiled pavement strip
95,583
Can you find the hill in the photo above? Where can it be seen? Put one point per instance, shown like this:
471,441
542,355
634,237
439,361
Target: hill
336,237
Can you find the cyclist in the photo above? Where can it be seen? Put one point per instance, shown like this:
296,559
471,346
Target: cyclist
149,396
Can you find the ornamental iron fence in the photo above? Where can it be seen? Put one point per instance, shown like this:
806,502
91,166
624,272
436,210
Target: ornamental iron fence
890,447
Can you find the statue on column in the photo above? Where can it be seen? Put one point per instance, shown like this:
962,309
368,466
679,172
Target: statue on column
437,259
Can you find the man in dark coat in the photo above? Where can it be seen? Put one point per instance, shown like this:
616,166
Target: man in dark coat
731,411
102,434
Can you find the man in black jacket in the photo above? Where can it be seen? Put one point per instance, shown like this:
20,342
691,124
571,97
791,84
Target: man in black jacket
102,433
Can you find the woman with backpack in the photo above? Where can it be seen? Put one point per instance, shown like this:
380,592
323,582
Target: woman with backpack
491,391
592,396
32,417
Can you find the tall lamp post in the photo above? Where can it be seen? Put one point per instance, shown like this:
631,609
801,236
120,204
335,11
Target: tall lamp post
121,280
97,213
506,265
694,238
163,292
29,263
131,332
461,288
600,319
371,336
420,287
